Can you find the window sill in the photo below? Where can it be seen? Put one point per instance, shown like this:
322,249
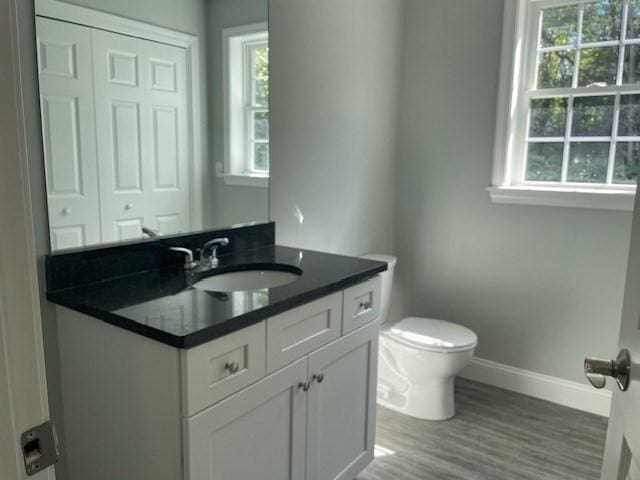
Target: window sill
564,197
246,180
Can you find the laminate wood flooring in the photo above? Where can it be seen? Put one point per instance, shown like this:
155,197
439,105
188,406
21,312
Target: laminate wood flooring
496,435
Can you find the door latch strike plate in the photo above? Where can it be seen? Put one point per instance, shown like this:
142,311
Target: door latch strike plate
39,448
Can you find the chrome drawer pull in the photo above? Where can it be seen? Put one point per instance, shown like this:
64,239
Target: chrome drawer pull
232,367
305,386
363,308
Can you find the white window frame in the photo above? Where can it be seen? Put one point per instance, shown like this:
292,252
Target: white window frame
517,79
250,108
237,168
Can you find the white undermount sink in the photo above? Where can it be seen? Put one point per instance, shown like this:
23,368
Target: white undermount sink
246,280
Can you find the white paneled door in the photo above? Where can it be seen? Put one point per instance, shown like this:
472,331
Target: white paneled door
141,120
622,452
68,128
116,136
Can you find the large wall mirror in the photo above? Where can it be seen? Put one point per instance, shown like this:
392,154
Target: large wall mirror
155,116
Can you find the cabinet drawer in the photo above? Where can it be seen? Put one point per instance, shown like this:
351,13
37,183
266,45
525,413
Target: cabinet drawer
361,305
221,367
297,332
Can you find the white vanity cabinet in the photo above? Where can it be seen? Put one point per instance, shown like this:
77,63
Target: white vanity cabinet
289,398
325,401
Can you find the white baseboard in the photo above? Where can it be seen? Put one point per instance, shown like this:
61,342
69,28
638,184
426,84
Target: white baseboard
553,389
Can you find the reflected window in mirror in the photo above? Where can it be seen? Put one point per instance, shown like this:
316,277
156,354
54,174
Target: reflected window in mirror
246,53
257,107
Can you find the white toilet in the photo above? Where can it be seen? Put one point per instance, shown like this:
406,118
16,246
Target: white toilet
419,359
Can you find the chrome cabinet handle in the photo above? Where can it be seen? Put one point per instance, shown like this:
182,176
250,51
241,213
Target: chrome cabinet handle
364,307
318,378
305,386
597,370
232,367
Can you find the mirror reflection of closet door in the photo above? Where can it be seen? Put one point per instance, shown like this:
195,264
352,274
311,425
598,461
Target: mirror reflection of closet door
68,129
141,125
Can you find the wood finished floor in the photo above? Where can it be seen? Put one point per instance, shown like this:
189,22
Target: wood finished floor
496,435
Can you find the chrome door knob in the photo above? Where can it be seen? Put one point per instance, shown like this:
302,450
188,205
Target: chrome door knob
597,370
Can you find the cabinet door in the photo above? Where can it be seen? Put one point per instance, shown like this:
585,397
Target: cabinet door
342,407
258,433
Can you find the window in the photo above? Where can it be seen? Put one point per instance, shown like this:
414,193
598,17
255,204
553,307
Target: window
257,106
246,52
569,114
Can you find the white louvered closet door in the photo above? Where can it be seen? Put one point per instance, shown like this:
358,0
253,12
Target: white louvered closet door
141,124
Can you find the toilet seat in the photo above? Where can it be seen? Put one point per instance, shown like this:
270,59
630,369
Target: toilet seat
432,335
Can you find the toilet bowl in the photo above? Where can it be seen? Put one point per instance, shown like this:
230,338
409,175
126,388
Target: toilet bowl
419,359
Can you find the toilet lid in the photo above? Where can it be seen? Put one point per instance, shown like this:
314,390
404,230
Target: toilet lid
430,334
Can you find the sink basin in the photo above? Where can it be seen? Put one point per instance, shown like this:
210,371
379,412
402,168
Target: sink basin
246,280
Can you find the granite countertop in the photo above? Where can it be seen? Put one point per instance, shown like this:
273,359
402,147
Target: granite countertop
162,305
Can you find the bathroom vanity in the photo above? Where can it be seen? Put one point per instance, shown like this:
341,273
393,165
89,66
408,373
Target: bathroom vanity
162,380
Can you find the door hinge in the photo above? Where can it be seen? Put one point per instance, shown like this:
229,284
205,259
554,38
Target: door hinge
39,448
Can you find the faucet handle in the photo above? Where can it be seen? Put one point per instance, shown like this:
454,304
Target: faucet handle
189,262
151,233
213,245
217,242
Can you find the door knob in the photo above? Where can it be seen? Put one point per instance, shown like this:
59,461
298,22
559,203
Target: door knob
597,370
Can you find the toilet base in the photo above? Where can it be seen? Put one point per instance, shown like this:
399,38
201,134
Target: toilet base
431,401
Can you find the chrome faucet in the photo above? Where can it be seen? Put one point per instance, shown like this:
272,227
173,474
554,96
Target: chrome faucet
208,255
210,260
189,261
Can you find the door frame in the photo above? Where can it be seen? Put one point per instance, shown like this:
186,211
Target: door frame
23,385
58,10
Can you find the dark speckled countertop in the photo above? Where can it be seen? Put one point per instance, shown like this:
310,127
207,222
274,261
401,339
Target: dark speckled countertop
161,304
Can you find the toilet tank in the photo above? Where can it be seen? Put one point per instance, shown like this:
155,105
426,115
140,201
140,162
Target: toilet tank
387,281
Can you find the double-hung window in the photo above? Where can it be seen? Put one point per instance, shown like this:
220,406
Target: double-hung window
246,92
257,106
568,128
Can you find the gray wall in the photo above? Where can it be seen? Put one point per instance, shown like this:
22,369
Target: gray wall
334,78
231,204
541,286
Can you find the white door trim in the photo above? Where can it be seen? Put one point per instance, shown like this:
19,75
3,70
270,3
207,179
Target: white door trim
67,12
23,384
